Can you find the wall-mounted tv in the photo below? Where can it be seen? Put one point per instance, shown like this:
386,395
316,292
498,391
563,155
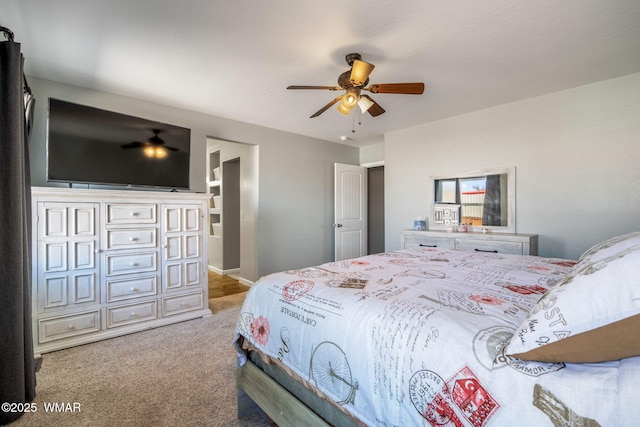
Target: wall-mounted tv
92,146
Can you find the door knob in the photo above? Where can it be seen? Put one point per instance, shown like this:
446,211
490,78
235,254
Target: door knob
337,225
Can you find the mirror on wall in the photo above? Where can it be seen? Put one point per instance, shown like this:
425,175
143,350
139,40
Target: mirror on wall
480,199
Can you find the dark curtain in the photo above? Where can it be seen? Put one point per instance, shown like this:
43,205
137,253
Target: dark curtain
492,209
17,370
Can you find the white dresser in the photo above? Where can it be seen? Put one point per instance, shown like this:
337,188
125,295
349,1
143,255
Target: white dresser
508,243
108,263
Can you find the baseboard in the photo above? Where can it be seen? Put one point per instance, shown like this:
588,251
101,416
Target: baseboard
215,270
231,271
245,282
227,271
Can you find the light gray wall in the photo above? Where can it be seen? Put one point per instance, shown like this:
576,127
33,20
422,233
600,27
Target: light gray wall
372,153
577,159
295,212
296,202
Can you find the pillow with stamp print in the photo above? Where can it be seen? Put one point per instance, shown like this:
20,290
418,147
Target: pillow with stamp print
610,247
592,315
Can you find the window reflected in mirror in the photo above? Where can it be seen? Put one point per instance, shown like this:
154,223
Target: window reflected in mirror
482,199
478,199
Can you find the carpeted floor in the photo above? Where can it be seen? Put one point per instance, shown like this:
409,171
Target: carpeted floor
177,375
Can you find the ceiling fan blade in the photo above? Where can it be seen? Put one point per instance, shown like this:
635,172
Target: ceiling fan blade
398,88
315,87
360,71
134,144
326,107
375,109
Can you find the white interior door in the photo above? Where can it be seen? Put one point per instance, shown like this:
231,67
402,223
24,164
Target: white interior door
350,219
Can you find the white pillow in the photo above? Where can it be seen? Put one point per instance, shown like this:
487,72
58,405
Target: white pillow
592,315
610,247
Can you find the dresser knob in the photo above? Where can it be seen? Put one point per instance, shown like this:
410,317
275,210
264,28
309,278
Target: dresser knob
71,327
133,239
132,315
134,264
134,289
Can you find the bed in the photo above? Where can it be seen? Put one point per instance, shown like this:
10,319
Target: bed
431,337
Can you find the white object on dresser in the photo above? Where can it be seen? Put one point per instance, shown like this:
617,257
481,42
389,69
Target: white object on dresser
108,263
507,243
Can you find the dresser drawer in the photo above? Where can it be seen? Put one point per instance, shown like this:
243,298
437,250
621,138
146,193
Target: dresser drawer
180,304
131,288
131,263
131,239
134,313
68,326
128,213
490,246
428,241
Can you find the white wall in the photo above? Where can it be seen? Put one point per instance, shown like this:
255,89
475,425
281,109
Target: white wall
577,159
295,212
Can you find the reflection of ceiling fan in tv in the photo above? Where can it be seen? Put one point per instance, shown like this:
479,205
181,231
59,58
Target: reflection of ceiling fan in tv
153,147
354,81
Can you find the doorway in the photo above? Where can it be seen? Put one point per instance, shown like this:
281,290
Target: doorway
358,210
232,250
231,214
375,210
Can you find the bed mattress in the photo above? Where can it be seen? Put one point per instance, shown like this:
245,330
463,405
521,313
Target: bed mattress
417,337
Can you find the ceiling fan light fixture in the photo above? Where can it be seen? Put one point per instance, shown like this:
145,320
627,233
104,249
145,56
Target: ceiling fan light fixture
364,103
155,152
350,98
344,110
356,80
161,152
360,72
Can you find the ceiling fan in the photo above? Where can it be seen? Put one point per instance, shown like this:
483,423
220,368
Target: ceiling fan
354,81
153,147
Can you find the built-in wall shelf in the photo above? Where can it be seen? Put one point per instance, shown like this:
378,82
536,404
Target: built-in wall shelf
214,188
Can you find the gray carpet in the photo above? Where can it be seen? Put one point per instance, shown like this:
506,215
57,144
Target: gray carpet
180,374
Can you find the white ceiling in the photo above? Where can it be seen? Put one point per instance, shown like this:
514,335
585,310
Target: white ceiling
234,59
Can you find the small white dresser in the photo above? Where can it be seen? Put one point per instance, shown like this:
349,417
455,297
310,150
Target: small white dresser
507,243
108,263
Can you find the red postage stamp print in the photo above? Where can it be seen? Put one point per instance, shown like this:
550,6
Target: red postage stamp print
473,400
429,394
296,289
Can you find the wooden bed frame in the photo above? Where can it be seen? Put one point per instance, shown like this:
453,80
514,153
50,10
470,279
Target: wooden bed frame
283,398
255,387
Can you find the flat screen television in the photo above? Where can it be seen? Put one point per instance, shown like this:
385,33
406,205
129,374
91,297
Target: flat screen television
92,146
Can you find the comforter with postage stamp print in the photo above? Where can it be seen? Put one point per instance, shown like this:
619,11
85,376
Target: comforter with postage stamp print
416,338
